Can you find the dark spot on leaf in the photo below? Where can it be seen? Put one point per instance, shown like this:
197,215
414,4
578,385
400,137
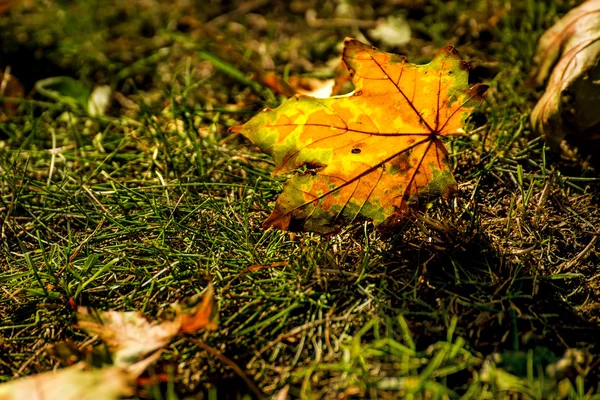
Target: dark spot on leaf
310,168
358,93
402,163
356,150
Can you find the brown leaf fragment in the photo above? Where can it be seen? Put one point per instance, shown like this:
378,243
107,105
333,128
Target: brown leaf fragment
10,87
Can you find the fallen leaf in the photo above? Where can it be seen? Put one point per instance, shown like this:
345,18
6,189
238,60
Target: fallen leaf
75,382
275,83
370,153
309,86
342,81
6,5
130,337
133,343
569,105
577,26
340,84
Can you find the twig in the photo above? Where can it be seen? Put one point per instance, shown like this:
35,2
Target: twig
578,257
87,239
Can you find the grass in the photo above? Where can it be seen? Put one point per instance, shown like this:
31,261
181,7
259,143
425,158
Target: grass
477,297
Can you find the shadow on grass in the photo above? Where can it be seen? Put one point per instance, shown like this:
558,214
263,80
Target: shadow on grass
500,305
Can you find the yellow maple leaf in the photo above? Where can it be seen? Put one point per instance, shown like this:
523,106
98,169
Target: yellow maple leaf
372,153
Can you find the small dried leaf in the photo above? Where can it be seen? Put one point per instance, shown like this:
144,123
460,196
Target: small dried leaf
99,101
9,87
313,87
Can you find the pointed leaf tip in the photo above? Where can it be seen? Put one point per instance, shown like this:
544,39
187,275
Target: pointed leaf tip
202,316
478,90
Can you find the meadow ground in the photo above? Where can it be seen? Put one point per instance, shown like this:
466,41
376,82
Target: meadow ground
493,294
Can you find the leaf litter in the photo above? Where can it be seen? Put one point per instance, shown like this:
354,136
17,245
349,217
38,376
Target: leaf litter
133,344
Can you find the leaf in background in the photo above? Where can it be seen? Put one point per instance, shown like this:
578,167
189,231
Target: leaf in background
6,5
133,343
372,152
99,101
393,31
9,87
310,86
570,102
313,87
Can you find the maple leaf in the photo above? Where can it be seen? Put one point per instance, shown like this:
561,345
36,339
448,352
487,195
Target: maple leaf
371,153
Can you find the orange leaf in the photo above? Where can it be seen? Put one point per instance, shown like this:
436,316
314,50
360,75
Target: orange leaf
371,153
203,316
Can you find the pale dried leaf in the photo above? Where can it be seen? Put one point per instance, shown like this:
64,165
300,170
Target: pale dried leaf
75,382
570,102
129,335
570,31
